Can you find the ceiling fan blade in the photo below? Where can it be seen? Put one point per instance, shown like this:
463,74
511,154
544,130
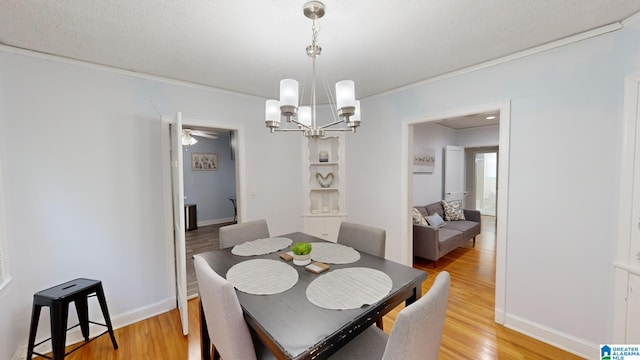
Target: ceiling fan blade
203,134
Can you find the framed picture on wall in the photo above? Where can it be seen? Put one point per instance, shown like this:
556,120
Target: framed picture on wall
424,160
201,161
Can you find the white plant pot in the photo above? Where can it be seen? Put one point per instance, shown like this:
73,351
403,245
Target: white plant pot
301,260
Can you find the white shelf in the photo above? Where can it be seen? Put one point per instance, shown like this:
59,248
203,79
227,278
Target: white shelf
323,163
324,215
324,207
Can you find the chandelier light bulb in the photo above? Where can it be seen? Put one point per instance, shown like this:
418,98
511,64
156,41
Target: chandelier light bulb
272,111
289,92
304,115
345,94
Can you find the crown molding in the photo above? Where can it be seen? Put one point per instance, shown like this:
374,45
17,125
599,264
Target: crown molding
633,18
119,71
505,59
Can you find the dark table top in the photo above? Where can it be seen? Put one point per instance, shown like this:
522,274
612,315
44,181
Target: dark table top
298,327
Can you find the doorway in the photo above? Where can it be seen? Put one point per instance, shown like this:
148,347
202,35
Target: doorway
209,191
482,179
486,184
503,109
173,261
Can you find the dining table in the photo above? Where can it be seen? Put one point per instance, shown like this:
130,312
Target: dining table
290,325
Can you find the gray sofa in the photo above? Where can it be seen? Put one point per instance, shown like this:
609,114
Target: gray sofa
432,243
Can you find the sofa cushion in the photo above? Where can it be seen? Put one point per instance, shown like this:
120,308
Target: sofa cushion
418,218
435,220
453,210
468,228
449,240
434,208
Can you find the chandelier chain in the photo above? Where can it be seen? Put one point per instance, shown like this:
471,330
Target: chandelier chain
314,32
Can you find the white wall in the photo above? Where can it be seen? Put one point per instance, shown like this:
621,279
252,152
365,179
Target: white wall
82,178
478,137
565,135
429,188
210,190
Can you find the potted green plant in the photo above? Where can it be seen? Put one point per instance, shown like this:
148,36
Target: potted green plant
301,253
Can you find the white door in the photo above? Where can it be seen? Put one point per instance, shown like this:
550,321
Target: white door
454,188
177,184
633,310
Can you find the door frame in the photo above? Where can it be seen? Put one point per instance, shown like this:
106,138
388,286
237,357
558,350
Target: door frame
238,129
623,266
504,108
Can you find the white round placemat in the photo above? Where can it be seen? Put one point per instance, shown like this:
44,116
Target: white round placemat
261,246
331,253
262,276
350,288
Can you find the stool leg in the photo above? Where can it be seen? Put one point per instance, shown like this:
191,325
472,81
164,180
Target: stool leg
59,312
35,318
83,316
105,313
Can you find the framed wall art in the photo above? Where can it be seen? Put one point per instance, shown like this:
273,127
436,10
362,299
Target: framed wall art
424,161
202,161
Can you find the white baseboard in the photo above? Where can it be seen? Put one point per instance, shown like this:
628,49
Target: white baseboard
553,337
214,221
499,316
118,321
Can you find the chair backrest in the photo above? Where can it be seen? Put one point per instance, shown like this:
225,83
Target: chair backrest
417,331
363,238
232,235
227,328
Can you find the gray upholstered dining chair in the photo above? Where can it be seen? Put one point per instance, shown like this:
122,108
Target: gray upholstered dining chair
363,238
416,334
227,328
232,235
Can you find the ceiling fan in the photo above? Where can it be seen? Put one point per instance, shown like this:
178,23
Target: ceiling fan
188,135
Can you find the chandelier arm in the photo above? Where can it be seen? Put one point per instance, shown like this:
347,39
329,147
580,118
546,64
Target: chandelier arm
286,130
342,129
331,124
304,127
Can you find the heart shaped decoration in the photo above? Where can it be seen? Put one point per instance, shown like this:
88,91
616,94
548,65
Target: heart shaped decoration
326,180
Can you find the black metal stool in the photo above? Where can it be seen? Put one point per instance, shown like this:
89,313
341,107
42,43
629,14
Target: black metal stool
57,299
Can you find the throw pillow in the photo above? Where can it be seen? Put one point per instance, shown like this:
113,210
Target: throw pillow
453,210
435,220
418,218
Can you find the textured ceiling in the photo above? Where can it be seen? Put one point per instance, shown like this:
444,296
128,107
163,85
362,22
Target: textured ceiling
249,45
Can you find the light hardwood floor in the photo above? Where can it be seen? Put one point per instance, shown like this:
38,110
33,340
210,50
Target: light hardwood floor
469,331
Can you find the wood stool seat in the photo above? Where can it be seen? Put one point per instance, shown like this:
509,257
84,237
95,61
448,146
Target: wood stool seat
57,298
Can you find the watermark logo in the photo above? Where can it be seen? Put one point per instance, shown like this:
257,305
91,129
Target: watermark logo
620,352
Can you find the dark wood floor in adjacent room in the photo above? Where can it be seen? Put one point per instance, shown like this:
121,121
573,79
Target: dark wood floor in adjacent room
202,239
469,331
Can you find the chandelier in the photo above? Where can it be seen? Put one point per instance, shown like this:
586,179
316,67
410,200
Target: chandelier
347,108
